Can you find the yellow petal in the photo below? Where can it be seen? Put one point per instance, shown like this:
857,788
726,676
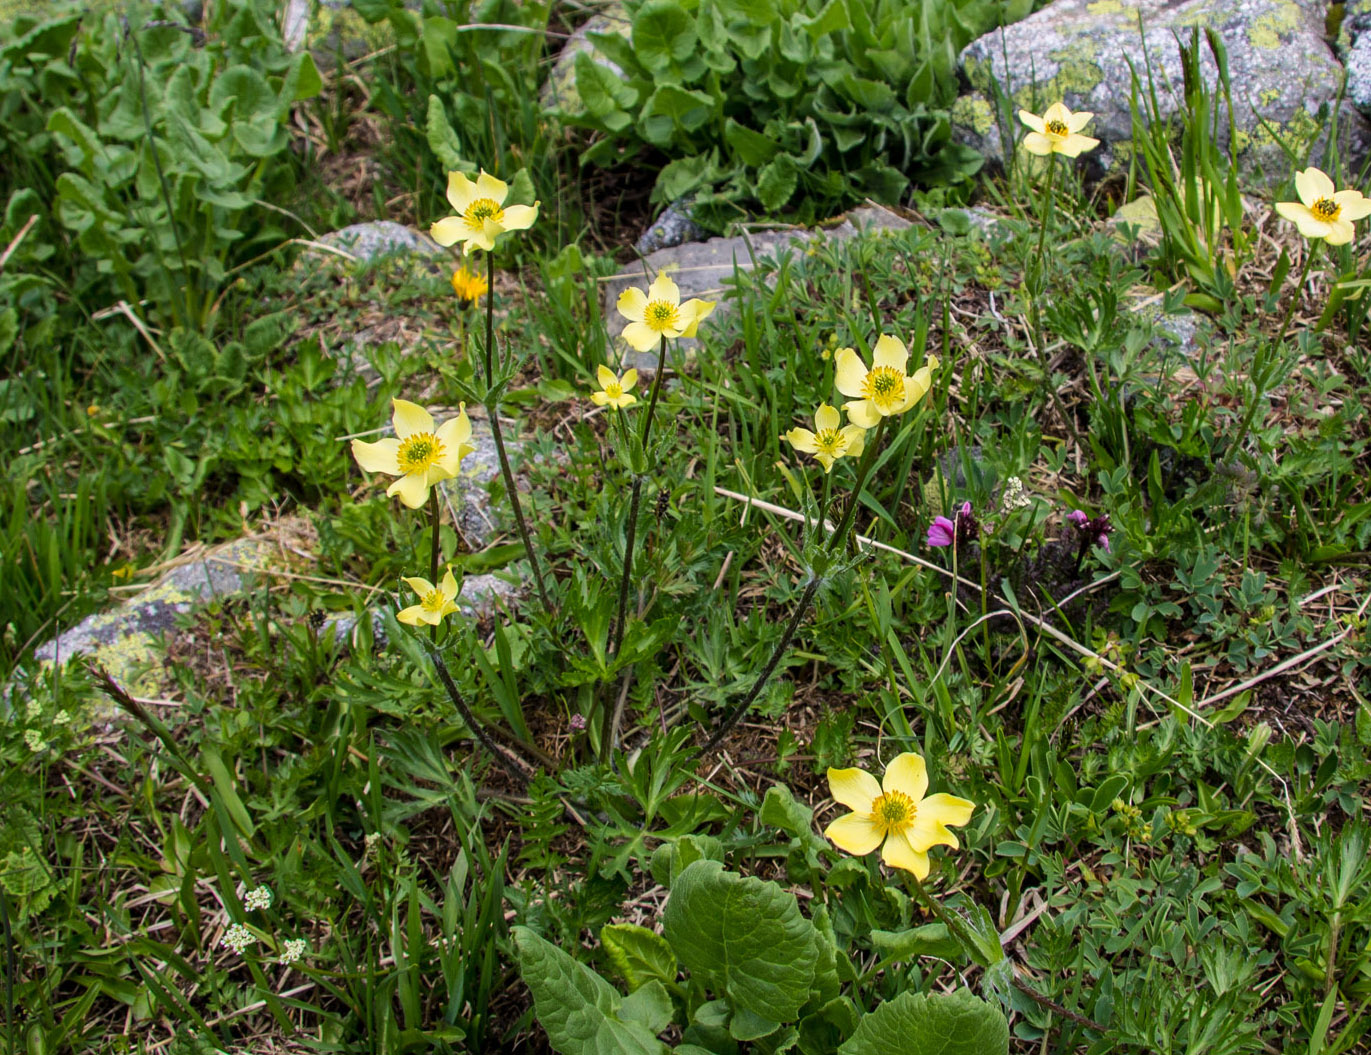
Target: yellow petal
632,304
934,814
854,788
449,585
854,833
1309,225
1033,121
629,380
851,372
663,288
414,615
410,418
624,401
487,186
694,312
1038,143
862,413
640,336
1340,232
448,231
420,586
890,351
1075,146
412,489
802,440
1354,206
605,376
1057,112
899,854
520,217
383,456
916,386
906,773
1079,120
461,192
600,399
827,417
1312,184
855,438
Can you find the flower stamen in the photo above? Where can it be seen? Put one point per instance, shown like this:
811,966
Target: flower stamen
433,601
893,813
1326,209
884,386
661,315
481,210
1057,128
419,451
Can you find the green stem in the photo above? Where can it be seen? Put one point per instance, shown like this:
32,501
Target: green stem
1035,294
472,723
493,406
656,391
435,516
836,542
1270,351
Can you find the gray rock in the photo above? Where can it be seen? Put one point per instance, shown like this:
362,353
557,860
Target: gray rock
1079,50
467,494
295,23
674,227
1354,40
705,270
559,90
367,241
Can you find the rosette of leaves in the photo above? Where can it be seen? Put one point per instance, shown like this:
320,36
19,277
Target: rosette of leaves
798,106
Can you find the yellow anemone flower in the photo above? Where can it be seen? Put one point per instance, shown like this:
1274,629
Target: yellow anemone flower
885,389
434,601
895,812
1322,211
468,287
481,213
418,454
614,390
1055,132
659,313
830,442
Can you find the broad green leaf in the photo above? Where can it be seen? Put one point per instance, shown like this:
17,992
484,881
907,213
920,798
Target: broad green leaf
672,858
638,954
776,183
442,140
746,1025
744,937
931,1024
751,148
931,939
832,19
649,1005
577,1008
663,35
439,38
606,96
672,111
246,90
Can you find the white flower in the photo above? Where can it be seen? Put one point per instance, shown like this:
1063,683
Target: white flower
1014,495
33,709
258,899
237,938
293,950
35,740
61,718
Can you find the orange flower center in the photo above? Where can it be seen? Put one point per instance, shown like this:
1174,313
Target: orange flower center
1326,209
481,210
1057,128
661,315
893,812
884,386
418,452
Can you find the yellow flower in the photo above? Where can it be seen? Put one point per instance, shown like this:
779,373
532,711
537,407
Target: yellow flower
895,812
614,390
1323,212
434,601
481,217
468,287
1055,132
885,389
659,313
830,442
418,454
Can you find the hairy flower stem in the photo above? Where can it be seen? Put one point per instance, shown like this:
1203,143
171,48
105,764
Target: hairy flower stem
493,406
611,733
1268,353
1035,295
836,543
472,723
435,516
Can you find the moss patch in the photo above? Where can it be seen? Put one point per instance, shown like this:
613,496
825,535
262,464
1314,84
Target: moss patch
1273,29
972,111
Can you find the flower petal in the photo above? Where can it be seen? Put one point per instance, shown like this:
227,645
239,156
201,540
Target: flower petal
487,186
890,351
694,312
600,399
802,440
420,586
640,336
663,288
414,615
1057,112
605,376
827,417
412,489
383,456
1033,121
632,304
899,854
1079,120
854,788
1354,206
449,586
1038,143
461,192
1312,184
851,373
520,217
934,815
1340,232
906,773
448,231
410,418
629,380
862,413
1074,146
854,833
854,436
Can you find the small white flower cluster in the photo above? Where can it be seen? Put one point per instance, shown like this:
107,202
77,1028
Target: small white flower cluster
62,717
293,950
35,740
238,938
1015,497
258,899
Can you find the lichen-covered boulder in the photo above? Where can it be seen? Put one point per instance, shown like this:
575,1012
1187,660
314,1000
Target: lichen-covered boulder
1285,78
1354,40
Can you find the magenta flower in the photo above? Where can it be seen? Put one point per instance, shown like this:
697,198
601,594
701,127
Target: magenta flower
1092,532
942,532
